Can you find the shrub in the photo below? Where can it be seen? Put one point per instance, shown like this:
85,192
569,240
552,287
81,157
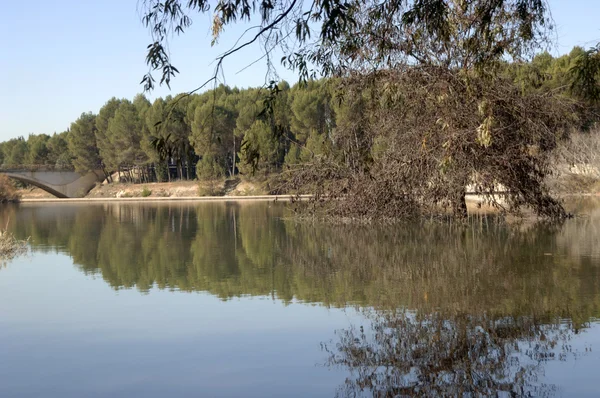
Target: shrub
146,192
8,192
208,168
210,188
162,193
10,247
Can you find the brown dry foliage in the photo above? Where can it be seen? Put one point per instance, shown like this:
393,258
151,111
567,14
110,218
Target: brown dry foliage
418,136
10,247
577,164
580,154
8,192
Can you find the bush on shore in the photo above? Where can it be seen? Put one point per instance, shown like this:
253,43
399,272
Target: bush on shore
210,188
8,192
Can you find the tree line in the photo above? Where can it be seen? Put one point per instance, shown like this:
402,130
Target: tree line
220,133
227,131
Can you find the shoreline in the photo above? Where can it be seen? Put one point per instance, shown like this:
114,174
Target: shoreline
471,199
286,198
276,198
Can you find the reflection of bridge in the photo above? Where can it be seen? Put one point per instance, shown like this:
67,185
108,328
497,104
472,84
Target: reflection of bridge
62,183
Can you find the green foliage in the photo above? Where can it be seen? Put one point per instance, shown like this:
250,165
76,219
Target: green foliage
106,148
208,168
357,35
15,152
210,188
146,192
546,73
38,149
213,129
586,74
261,150
155,116
160,172
82,143
58,151
309,109
124,133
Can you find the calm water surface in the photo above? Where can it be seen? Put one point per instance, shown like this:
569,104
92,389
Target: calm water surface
236,299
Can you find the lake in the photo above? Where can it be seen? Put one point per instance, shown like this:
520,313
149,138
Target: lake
230,299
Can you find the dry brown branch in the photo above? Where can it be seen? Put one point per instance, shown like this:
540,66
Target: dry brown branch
8,192
418,136
10,247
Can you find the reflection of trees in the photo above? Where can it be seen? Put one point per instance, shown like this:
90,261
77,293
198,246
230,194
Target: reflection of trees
51,227
214,249
234,249
479,267
411,354
485,297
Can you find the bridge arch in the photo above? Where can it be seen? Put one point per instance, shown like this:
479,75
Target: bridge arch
60,183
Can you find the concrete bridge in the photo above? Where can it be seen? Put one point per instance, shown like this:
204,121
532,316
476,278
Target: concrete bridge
60,183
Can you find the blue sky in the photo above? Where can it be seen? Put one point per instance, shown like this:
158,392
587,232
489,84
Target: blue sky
64,57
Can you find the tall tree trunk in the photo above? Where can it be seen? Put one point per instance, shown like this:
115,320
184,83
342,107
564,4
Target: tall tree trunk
233,158
168,171
107,176
188,160
460,206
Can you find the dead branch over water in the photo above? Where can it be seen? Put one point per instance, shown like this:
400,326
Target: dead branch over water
415,138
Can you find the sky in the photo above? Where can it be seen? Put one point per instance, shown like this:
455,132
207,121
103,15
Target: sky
61,58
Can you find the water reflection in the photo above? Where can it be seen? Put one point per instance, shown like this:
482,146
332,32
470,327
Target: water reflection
451,354
452,309
235,249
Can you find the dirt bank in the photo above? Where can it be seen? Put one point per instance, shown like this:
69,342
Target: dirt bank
177,189
564,185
